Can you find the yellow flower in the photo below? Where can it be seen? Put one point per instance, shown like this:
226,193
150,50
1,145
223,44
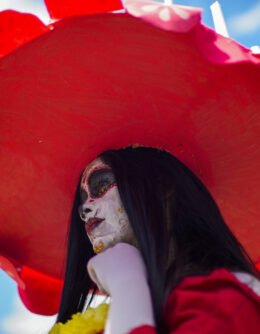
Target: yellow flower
92,321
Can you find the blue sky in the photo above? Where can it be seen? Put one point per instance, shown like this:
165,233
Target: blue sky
242,18
14,317
8,292
243,24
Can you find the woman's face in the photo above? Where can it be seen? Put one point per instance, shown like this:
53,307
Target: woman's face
101,209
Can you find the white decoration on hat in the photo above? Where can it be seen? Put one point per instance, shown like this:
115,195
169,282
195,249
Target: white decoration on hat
255,49
134,10
218,19
165,13
150,8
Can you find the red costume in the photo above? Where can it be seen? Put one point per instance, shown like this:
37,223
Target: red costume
218,303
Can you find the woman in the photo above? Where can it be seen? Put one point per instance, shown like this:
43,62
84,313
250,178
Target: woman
160,235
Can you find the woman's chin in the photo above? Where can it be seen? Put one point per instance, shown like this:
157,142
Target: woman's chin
100,244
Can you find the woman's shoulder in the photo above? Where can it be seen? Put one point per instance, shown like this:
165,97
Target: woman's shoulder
221,280
222,301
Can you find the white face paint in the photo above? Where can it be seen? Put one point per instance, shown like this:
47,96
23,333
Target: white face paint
100,200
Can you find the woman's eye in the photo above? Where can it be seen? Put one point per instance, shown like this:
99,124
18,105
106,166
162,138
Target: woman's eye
100,181
103,187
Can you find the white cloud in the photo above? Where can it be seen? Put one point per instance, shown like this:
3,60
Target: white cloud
22,321
27,6
247,22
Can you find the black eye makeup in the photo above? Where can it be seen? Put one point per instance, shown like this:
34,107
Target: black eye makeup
100,181
83,196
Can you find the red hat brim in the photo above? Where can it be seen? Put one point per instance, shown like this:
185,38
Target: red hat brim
107,81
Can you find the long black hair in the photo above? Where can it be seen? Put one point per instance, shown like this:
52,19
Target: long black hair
177,224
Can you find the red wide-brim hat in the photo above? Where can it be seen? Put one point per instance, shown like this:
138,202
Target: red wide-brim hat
153,76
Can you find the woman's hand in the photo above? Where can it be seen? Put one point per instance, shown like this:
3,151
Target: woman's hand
120,271
119,265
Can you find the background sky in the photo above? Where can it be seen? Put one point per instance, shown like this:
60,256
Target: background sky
243,24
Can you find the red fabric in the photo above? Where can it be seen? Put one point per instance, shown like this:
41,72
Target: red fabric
144,330
12,270
214,304
50,131
41,294
17,29
65,8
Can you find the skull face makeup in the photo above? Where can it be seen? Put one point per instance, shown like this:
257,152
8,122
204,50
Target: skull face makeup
106,221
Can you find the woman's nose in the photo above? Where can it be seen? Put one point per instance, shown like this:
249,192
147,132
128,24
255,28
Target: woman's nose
83,211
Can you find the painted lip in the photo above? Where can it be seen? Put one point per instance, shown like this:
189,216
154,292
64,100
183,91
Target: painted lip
92,223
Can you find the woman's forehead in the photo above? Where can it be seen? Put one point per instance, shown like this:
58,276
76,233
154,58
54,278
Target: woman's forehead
93,165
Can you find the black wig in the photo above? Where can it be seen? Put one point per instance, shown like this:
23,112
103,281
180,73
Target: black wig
177,224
